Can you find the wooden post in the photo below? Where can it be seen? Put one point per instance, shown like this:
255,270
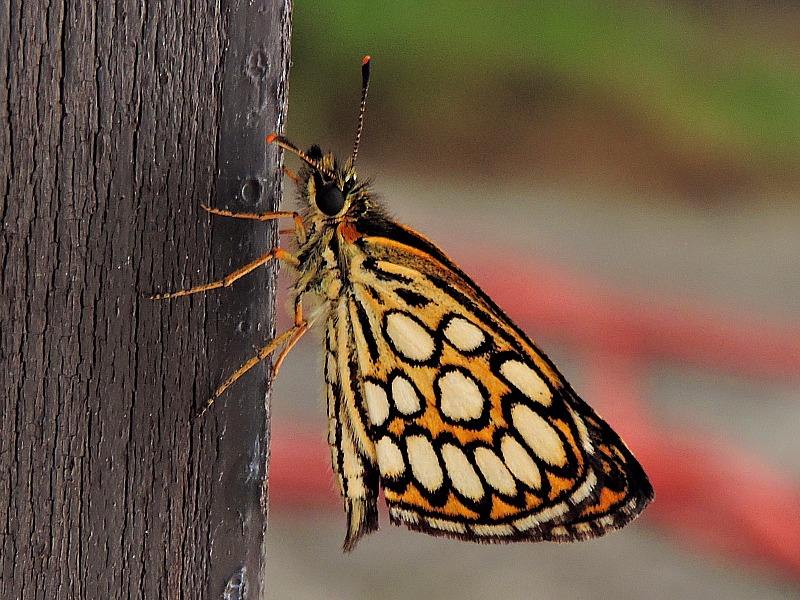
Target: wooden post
117,120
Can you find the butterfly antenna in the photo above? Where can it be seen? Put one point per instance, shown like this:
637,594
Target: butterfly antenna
364,88
287,145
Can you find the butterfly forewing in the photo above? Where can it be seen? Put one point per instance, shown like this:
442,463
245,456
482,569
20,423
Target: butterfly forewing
471,429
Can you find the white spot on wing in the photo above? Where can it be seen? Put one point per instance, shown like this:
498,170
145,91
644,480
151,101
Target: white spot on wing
520,463
401,514
461,472
390,458
424,462
495,471
446,525
352,468
583,432
331,373
585,489
377,403
528,522
461,398
554,512
500,530
606,521
463,335
559,530
404,395
543,516
409,337
539,435
583,528
526,381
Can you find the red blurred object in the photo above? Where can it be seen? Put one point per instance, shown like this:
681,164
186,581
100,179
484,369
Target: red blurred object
709,492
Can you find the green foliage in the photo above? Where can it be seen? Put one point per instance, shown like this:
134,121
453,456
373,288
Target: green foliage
698,78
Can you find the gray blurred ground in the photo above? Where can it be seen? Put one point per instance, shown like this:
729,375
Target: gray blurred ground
743,257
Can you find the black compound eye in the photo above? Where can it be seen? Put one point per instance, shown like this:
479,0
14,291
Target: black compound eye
314,153
330,199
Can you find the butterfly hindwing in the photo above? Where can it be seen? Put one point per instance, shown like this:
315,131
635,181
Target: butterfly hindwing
473,431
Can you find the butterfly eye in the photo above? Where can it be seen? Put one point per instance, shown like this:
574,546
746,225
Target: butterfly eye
314,153
330,199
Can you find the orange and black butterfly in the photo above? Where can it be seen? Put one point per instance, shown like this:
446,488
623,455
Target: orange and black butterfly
433,394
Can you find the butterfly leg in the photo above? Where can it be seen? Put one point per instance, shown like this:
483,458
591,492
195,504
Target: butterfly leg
288,337
263,353
278,253
300,327
299,228
291,174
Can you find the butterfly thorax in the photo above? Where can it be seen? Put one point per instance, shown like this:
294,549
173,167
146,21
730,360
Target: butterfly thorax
334,203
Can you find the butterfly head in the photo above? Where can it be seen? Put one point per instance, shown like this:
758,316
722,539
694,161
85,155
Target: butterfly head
327,187
330,189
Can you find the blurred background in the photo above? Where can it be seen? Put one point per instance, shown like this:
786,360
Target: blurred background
623,179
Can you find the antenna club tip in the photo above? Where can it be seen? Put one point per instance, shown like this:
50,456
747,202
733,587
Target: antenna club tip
272,137
366,60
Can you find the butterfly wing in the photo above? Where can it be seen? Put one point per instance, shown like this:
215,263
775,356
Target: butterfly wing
471,430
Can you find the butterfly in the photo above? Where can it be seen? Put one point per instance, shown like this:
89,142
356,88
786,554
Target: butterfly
433,394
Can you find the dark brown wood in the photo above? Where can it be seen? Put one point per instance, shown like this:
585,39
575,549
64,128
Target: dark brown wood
116,121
